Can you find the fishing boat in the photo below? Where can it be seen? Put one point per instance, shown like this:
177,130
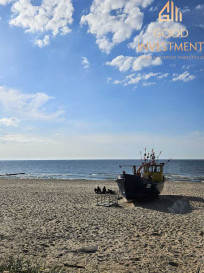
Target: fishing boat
146,182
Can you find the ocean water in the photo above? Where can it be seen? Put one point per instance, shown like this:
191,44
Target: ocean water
176,170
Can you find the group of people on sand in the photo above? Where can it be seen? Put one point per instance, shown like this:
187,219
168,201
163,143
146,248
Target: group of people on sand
98,190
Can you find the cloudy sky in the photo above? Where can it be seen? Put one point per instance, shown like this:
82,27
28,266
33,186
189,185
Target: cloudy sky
73,84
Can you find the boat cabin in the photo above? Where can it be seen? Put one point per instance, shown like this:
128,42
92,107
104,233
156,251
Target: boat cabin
153,172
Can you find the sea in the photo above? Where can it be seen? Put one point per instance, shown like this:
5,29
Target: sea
175,170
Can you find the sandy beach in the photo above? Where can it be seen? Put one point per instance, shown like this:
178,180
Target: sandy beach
55,221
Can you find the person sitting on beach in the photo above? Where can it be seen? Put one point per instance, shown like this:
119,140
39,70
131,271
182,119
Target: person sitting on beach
97,190
104,190
110,191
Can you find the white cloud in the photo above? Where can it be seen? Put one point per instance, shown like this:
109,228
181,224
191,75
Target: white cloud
43,42
124,63
149,75
200,7
109,79
188,66
5,2
145,61
148,83
119,82
26,106
186,9
85,62
148,36
200,25
135,78
51,17
9,122
185,77
114,21
153,9
165,75
95,146
24,139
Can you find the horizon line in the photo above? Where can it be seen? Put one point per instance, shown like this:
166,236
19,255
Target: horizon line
69,159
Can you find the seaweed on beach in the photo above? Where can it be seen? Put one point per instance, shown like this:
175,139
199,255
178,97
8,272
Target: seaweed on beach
24,265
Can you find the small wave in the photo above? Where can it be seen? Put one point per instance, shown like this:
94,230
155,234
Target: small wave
100,176
183,178
100,173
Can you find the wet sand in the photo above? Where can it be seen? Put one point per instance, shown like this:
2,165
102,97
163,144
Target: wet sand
56,220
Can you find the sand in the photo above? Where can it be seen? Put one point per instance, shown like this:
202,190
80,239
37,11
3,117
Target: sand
55,221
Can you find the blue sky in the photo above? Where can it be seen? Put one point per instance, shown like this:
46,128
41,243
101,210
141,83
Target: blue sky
73,85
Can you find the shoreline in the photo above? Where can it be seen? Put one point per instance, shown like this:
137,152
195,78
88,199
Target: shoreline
52,220
84,180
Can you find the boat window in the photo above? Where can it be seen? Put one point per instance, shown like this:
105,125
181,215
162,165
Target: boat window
146,169
150,169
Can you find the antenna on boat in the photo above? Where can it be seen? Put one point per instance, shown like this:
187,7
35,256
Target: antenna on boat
153,155
168,161
159,155
141,155
145,155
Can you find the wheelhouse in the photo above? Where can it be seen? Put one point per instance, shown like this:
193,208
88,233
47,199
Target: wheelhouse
153,172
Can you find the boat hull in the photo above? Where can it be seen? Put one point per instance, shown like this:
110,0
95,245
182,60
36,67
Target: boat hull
134,187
